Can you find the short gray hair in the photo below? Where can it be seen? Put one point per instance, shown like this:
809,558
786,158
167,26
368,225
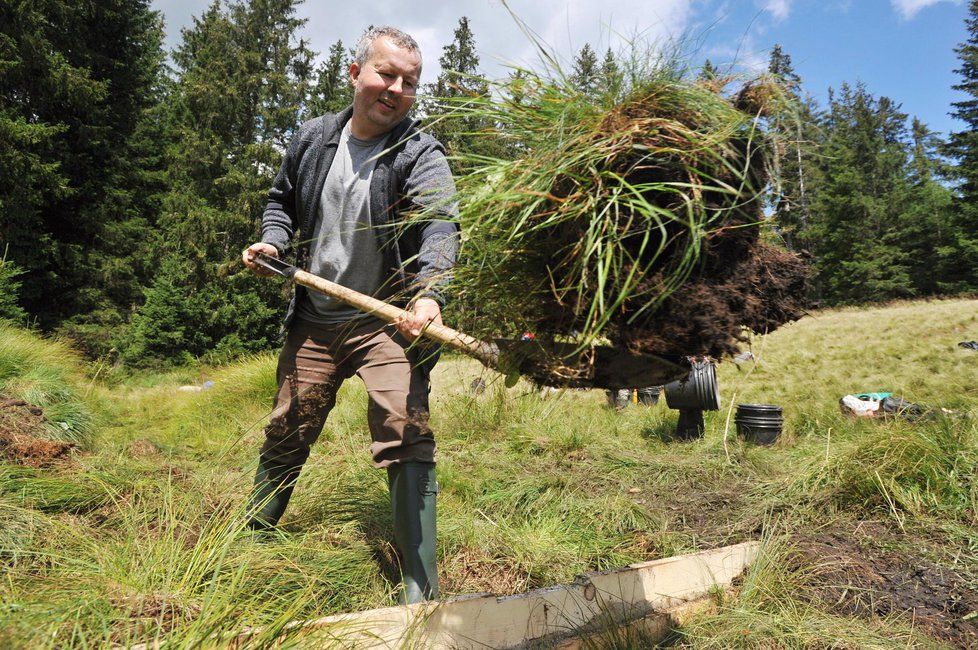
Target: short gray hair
400,39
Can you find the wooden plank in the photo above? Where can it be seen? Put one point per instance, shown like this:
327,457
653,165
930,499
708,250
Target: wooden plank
643,592
651,629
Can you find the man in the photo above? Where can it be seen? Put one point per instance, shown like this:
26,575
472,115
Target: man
346,187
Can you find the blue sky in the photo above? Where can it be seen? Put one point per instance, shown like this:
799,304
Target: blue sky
903,49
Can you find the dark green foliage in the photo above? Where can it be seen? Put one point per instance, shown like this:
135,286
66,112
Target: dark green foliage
459,85
879,221
796,126
962,146
333,91
76,184
929,229
856,228
709,71
243,81
780,66
586,75
170,325
611,74
9,290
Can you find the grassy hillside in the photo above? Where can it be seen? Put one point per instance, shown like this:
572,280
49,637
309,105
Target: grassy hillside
137,534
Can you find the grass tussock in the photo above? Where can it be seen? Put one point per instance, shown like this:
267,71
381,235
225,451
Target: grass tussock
631,213
46,374
912,469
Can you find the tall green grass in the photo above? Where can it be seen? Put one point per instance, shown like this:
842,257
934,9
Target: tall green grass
47,374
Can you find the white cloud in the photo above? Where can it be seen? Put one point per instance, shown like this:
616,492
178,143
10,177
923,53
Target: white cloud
909,8
562,25
745,58
778,8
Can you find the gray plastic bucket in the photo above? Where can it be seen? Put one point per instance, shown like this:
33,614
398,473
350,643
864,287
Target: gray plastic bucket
699,390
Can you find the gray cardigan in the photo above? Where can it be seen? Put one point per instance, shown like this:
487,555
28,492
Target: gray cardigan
418,253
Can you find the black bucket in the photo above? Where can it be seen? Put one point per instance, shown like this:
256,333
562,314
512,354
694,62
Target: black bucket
759,423
649,396
699,390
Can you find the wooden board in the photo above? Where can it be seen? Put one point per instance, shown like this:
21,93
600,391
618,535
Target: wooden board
647,594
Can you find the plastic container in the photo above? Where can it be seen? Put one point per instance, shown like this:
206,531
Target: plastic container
649,396
759,423
699,390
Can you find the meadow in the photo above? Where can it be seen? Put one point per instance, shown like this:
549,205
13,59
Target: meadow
132,530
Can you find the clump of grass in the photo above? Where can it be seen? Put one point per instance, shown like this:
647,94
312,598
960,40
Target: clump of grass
607,203
47,374
47,492
922,468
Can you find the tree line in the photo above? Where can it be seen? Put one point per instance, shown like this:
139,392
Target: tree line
130,180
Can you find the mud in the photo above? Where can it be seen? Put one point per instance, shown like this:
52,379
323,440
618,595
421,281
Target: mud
23,436
855,570
711,313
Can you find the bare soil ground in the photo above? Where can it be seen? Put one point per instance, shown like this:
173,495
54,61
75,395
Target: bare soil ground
864,569
23,438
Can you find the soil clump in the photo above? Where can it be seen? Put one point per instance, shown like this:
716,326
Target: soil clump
640,225
853,571
23,436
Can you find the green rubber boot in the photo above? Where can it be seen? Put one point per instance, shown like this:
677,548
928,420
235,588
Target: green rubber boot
273,489
413,492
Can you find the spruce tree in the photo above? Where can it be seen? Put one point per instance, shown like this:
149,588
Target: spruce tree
928,232
780,66
333,91
452,96
242,82
611,80
586,74
459,66
79,179
858,215
796,133
962,263
708,72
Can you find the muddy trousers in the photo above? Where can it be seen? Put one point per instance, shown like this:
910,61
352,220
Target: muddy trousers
314,362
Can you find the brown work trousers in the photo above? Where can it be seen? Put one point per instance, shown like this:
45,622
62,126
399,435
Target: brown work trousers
314,362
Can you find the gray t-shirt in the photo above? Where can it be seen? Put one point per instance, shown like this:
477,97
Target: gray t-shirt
344,247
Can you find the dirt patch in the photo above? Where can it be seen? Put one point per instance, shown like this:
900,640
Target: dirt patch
23,436
853,570
711,517
147,614
143,449
471,570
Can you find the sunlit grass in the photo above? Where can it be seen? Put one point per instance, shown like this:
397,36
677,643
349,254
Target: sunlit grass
140,536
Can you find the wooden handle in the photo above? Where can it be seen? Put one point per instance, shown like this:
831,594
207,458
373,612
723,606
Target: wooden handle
388,313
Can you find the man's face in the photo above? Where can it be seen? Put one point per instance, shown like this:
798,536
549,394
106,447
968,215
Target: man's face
384,88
